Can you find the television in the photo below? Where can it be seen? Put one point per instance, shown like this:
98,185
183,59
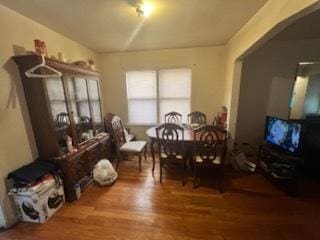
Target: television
284,134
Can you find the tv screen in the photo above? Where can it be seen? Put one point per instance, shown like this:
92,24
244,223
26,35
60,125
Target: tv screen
283,133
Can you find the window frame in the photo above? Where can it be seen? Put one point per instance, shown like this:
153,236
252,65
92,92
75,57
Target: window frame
157,70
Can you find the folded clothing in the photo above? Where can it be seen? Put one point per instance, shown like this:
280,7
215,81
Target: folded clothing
31,172
37,187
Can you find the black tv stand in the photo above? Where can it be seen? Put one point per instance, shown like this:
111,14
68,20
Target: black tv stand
280,168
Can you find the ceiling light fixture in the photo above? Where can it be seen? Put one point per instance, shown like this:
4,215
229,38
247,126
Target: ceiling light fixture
144,9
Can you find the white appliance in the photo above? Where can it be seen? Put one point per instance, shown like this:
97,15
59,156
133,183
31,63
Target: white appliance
39,207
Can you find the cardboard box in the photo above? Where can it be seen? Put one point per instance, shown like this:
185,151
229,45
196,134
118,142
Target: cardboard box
41,206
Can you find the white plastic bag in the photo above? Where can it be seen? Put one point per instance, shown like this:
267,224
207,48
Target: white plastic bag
103,173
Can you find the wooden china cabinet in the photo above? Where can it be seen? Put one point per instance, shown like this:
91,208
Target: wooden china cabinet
69,105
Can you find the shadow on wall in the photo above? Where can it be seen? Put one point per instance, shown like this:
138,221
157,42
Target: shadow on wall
15,103
17,95
8,66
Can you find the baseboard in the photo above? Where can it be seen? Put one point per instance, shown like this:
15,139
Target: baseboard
2,229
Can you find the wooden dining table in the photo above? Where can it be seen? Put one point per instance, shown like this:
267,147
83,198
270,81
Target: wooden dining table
188,138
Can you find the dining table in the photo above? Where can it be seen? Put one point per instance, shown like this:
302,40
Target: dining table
188,138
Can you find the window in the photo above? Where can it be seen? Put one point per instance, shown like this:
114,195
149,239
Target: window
152,94
142,97
174,92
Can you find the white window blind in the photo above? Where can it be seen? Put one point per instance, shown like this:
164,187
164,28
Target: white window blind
171,91
142,97
175,92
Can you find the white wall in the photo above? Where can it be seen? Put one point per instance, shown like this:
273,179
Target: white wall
17,145
312,99
207,64
299,93
268,21
281,89
275,61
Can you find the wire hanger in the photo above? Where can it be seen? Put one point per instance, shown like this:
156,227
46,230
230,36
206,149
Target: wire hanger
30,73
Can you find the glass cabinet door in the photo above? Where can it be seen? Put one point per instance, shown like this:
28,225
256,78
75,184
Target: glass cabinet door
93,89
59,112
80,110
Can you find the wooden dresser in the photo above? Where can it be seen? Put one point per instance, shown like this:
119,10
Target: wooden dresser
77,167
69,105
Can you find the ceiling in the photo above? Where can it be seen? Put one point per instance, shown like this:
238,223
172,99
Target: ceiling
113,25
304,28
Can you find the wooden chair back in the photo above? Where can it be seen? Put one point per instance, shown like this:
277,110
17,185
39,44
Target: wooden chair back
170,139
197,117
173,117
209,143
107,122
115,127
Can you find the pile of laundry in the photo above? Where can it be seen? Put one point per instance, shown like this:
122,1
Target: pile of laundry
244,157
35,187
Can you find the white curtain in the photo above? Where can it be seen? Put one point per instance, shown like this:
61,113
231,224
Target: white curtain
142,97
175,92
171,91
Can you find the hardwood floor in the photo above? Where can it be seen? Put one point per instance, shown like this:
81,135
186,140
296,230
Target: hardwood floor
137,206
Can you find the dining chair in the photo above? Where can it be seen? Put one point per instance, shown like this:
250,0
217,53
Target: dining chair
209,151
170,138
197,117
173,117
115,126
129,137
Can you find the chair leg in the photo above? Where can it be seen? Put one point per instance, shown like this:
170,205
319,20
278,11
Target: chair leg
140,157
221,180
184,176
119,156
152,154
160,171
145,153
118,162
194,176
125,157
153,164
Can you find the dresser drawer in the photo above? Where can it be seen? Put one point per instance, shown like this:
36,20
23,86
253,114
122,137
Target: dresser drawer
93,155
79,167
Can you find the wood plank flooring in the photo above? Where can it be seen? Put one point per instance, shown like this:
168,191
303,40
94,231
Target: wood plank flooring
137,206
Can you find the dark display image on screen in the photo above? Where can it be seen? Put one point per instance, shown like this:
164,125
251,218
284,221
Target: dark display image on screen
283,133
